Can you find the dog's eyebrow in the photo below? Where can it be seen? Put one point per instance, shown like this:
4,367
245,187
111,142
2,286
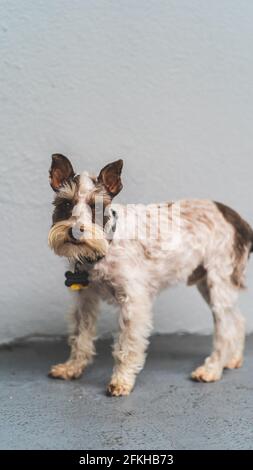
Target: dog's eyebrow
68,191
98,196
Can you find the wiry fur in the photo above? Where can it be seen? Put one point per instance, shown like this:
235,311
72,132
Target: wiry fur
193,243
60,241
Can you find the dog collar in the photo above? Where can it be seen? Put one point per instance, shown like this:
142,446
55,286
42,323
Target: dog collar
78,279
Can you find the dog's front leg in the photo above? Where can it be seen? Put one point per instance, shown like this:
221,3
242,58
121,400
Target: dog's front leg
81,339
129,352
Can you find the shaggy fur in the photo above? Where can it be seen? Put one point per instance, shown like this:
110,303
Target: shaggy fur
192,241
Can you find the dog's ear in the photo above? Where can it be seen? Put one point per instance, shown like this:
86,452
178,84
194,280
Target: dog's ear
61,170
109,176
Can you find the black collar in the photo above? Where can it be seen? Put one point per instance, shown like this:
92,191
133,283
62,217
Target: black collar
77,280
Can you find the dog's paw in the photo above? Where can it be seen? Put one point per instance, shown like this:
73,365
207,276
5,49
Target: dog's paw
206,374
67,371
234,363
118,389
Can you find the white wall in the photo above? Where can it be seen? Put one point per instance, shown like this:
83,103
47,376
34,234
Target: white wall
167,85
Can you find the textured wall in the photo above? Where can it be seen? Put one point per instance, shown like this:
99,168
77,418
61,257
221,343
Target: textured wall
167,85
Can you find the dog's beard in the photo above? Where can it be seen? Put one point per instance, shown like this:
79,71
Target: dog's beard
92,248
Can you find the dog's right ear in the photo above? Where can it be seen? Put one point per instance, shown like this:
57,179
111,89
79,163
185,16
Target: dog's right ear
61,171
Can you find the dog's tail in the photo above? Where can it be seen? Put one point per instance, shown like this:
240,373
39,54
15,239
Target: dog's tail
243,248
243,231
243,242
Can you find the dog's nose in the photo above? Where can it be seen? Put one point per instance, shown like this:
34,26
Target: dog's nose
77,232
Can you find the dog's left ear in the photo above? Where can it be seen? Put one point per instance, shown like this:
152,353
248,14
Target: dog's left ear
61,170
109,176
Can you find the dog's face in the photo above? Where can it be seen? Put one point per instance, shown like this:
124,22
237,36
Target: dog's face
82,216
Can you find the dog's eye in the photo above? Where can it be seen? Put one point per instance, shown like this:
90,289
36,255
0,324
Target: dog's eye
98,207
66,204
66,207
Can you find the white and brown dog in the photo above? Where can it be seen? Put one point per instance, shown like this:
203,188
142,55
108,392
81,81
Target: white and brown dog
129,253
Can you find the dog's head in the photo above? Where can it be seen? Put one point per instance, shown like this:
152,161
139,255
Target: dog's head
82,218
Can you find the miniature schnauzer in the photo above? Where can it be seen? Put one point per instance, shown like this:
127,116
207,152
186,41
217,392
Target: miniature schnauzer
127,254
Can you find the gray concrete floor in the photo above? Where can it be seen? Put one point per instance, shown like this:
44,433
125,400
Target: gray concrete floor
165,410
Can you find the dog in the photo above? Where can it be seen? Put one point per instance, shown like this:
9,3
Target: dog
129,254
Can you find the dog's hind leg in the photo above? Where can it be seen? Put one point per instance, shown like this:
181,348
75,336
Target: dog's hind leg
229,329
81,339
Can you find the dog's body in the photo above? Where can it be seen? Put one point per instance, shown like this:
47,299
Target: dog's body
193,241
